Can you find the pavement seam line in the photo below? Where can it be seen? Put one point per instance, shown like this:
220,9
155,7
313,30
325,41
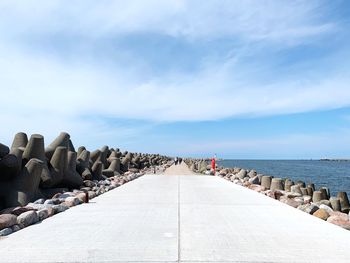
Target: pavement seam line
178,221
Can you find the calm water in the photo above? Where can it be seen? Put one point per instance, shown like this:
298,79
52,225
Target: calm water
335,175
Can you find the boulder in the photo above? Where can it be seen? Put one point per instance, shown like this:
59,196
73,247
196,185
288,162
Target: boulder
7,220
308,208
252,173
257,188
254,180
5,232
43,214
241,174
27,219
321,213
290,201
72,201
327,208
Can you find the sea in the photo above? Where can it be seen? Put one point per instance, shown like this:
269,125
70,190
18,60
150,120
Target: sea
332,174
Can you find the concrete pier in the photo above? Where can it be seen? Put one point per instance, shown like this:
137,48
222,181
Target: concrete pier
159,218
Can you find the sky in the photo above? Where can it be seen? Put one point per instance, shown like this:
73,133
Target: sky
262,79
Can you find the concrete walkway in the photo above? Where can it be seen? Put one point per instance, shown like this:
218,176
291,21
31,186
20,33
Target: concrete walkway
179,218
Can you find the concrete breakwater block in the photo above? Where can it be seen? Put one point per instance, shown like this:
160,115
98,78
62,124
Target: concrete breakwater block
29,171
344,202
276,184
266,181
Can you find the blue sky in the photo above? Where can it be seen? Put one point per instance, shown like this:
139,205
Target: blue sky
243,79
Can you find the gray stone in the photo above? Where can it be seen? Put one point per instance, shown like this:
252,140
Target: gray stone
72,201
49,202
39,201
7,220
5,232
308,208
15,228
43,214
254,180
252,173
241,174
296,189
27,219
60,208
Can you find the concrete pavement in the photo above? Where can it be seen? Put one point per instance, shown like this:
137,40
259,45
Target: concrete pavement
179,219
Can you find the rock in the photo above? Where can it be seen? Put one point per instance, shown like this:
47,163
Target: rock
50,211
20,210
15,228
275,194
307,199
223,171
36,206
241,174
321,213
5,232
308,208
27,219
257,188
304,190
7,220
323,202
254,180
339,221
339,215
39,201
327,208
290,202
49,202
252,173
72,201
292,194
43,214
82,197
60,208
296,189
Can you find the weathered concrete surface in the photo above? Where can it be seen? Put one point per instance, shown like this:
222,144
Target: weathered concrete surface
179,218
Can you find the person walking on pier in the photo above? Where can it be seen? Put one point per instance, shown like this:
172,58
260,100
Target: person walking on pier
175,160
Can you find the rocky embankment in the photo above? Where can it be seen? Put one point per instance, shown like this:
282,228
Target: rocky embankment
38,182
319,203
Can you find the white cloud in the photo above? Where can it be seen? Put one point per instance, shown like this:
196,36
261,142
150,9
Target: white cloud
45,92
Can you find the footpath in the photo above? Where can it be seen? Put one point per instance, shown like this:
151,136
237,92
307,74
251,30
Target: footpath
179,218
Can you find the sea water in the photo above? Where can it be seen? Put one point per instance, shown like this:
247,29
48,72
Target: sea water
333,174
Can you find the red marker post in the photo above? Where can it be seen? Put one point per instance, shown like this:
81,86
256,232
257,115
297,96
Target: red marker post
213,165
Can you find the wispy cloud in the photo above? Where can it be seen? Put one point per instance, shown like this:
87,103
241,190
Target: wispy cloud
52,72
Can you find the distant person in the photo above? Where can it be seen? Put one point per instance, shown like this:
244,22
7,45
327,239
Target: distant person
213,163
180,160
175,160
